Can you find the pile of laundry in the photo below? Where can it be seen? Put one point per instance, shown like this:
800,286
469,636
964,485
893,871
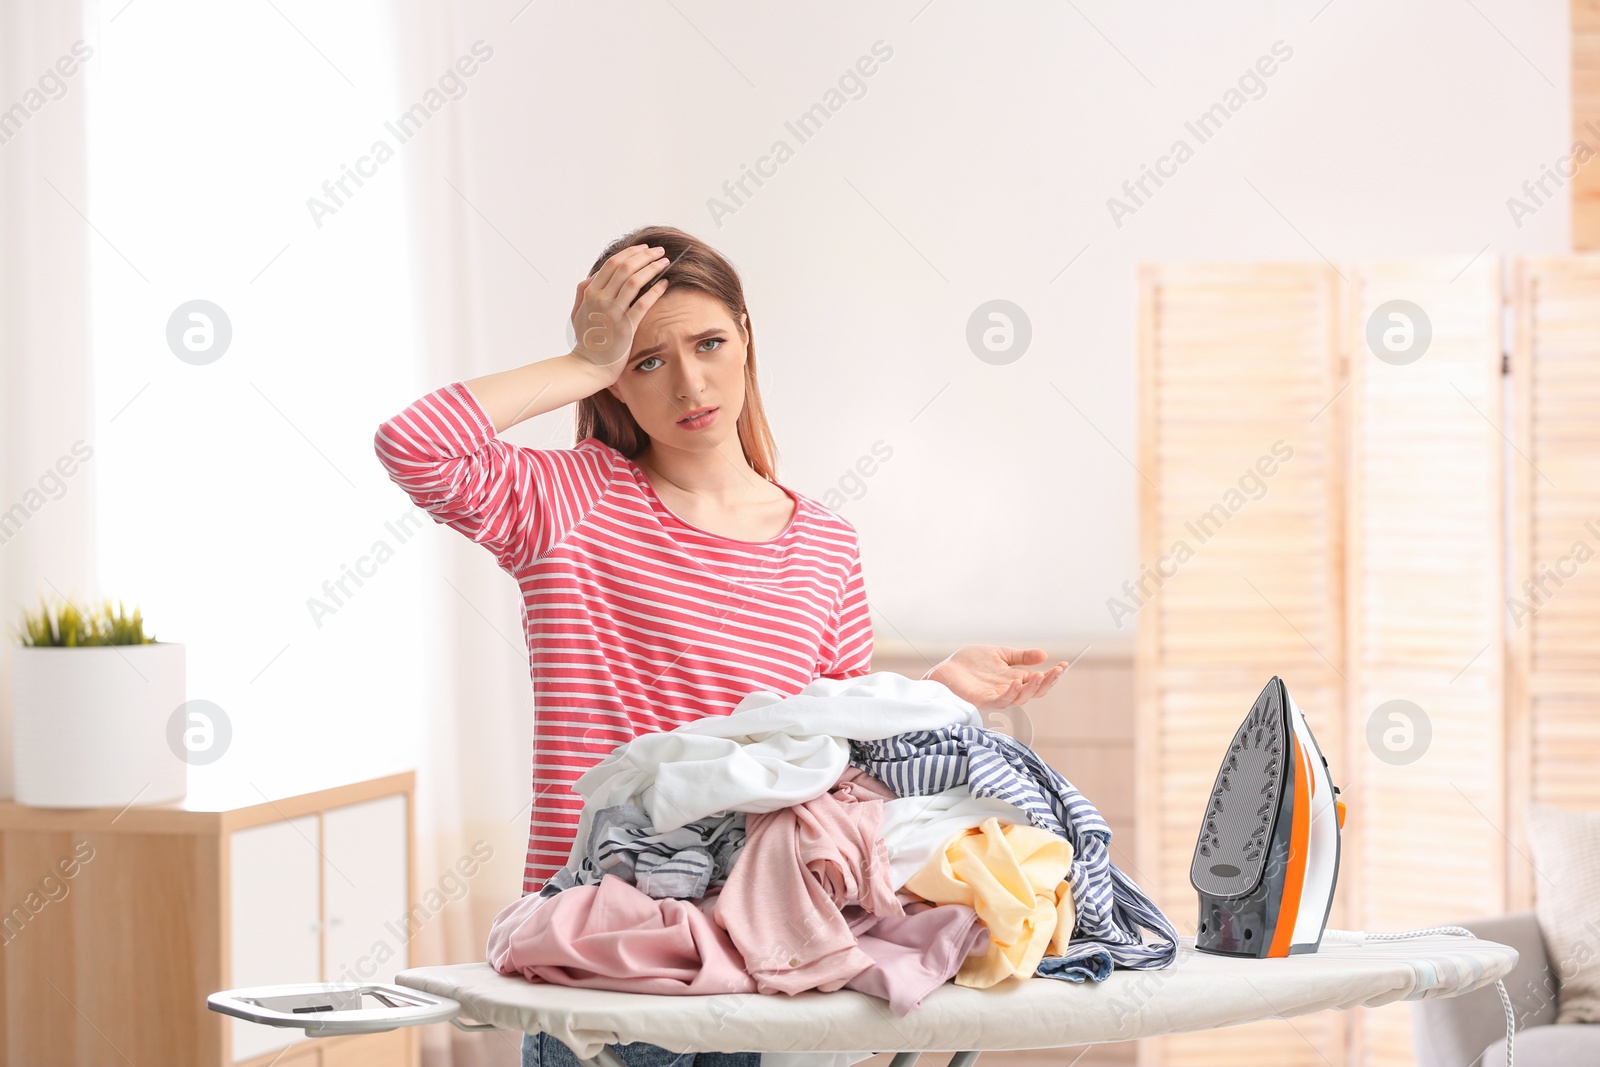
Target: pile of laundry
865,832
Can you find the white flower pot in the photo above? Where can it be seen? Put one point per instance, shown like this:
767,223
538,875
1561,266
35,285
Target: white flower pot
90,725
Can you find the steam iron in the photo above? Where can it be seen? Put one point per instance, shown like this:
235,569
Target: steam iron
1268,854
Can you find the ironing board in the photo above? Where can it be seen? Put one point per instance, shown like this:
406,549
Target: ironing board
1200,991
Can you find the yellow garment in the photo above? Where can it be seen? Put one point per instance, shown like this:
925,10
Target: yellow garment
1015,878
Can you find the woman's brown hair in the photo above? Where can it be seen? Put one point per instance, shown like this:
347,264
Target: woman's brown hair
695,265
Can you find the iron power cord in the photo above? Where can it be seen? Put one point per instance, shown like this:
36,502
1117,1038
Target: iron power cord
1358,937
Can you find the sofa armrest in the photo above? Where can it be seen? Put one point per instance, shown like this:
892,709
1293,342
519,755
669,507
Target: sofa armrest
1452,1031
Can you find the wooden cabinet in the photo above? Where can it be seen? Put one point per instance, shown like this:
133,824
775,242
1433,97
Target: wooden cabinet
364,881
118,924
275,919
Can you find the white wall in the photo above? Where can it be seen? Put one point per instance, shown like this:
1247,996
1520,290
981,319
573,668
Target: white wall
977,165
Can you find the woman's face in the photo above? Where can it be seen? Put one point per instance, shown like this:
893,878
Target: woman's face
687,356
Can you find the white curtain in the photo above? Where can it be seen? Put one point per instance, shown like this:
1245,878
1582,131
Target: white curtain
46,492
335,328
497,245
474,758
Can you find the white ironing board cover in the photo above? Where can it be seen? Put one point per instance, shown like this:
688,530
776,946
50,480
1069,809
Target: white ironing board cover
1200,991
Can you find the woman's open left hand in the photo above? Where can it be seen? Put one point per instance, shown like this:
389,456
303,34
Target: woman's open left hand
991,677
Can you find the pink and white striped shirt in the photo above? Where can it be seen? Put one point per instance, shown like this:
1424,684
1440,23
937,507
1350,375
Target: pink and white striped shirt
636,621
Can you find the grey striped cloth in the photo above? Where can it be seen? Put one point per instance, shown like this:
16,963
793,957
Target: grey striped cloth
684,863
1113,912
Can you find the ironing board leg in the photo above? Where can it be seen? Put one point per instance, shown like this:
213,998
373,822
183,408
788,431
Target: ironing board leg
909,1059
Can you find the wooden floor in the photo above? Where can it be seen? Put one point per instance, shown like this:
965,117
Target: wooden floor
1084,728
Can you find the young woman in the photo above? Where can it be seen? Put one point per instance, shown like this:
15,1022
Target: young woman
665,572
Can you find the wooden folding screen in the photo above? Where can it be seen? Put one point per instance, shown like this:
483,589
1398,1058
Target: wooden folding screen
1422,772
1584,188
1267,368
1553,610
1240,460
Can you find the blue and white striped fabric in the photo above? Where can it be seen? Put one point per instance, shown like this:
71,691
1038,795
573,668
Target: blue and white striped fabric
1113,912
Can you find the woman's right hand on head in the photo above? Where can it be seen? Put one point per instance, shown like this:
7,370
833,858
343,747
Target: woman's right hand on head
602,317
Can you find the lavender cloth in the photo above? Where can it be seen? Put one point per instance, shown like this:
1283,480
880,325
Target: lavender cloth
915,953
801,865
613,936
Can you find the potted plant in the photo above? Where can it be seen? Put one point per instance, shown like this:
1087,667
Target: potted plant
92,697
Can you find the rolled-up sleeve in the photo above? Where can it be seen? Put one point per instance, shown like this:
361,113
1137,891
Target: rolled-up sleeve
517,502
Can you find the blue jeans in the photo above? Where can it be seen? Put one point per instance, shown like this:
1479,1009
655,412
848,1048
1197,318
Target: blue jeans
542,1050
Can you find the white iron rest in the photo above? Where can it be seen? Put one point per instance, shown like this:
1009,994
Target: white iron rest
330,1009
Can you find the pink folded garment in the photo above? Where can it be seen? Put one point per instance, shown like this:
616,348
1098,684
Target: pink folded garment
799,866
915,953
613,936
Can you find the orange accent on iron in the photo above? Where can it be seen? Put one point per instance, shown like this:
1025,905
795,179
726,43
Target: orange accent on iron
1299,852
